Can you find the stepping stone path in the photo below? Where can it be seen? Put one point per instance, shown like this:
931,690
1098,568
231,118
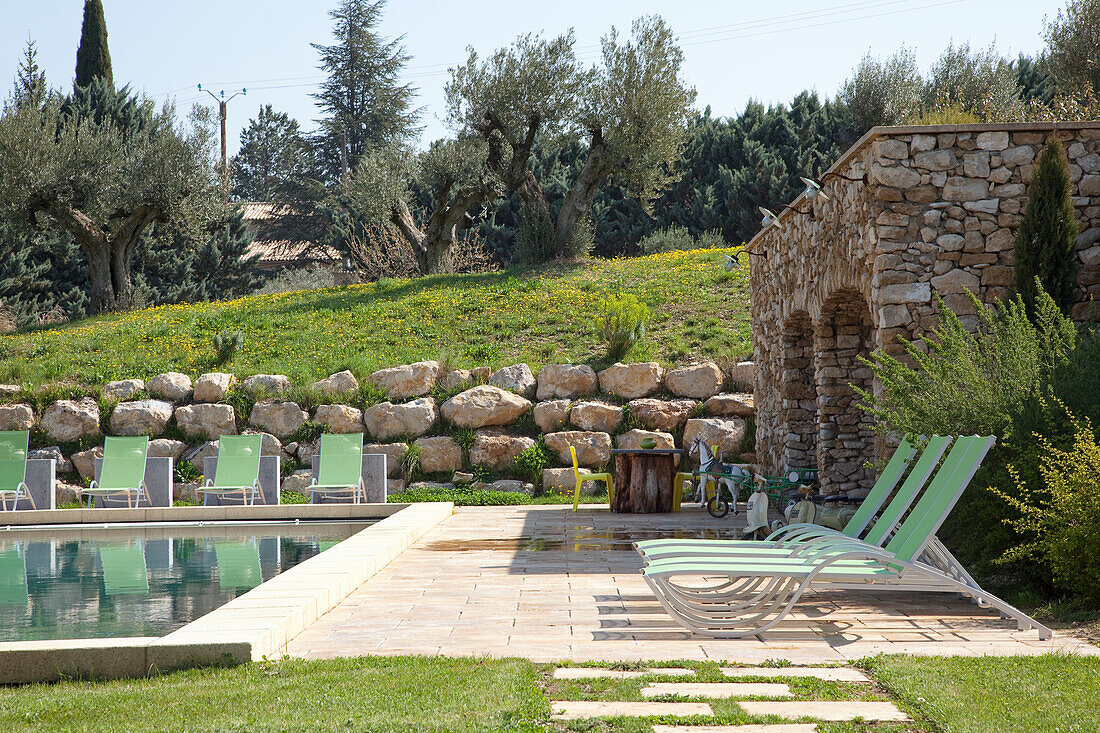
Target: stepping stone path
773,728
581,709
716,689
831,674
592,673
825,710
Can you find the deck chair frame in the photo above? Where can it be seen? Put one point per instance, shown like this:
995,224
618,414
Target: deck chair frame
13,451
239,475
744,596
114,454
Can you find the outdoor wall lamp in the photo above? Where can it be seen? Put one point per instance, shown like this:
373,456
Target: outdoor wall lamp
769,219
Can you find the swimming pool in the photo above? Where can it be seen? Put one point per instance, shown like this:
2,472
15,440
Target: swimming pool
142,580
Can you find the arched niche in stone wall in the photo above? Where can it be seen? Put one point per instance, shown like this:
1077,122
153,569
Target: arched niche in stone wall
798,394
845,433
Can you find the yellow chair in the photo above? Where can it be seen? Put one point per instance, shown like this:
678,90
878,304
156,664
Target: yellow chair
581,478
678,489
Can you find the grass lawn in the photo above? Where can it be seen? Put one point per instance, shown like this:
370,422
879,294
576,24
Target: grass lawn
997,694
374,693
943,694
539,316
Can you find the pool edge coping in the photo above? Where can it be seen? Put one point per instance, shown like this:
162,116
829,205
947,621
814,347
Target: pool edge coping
234,632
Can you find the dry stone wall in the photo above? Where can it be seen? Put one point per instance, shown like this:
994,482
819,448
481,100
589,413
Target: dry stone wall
930,209
429,410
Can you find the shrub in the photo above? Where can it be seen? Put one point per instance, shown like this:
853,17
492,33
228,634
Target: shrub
621,323
673,238
1062,520
991,382
1046,242
226,344
531,461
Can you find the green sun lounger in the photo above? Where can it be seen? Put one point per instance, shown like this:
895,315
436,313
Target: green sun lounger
122,473
789,539
124,571
13,576
13,469
340,469
742,596
238,470
238,565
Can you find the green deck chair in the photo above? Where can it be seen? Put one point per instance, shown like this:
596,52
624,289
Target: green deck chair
340,469
13,469
13,577
122,472
794,536
745,596
238,469
124,570
238,565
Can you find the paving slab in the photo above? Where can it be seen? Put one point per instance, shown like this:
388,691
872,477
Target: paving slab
829,674
591,673
717,689
774,728
548,584
826,709
583,709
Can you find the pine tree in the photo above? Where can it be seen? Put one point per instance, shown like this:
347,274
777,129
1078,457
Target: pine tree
30,81
274,160
93,59
365,106
1047,238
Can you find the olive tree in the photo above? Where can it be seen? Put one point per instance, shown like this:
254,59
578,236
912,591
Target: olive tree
1073,47
103,181
630,110
452,171
883,93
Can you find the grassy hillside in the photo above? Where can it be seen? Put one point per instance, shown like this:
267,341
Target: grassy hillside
539,316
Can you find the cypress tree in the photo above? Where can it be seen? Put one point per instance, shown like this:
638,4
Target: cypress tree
1047,238
93,59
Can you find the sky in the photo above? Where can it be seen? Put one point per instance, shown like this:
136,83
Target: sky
734,51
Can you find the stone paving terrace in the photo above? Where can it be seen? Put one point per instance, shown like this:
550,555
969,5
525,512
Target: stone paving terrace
549,584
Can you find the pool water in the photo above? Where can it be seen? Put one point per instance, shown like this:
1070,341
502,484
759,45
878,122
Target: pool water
142,580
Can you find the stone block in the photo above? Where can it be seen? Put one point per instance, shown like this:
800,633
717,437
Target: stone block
551,416
699,381
498,451
122,389
597,416
994,140
338,383
172,386
566,381
71,420
593,449
213,386
440,454
631,381
958,188
339,418
407,380
517,378
484,405
16,417
206,420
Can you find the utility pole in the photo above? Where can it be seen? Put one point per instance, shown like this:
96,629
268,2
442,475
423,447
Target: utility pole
222,102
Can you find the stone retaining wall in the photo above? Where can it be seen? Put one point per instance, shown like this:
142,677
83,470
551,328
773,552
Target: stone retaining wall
933,209
506,411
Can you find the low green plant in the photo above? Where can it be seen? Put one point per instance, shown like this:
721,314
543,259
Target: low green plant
410,463
226,344
531,461
621,323
459,495
307,432
672,238
1061,519
185,472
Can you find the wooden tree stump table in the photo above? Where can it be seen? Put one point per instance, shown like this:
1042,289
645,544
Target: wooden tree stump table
644,479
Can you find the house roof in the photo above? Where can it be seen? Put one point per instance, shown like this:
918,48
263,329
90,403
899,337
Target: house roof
286,233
